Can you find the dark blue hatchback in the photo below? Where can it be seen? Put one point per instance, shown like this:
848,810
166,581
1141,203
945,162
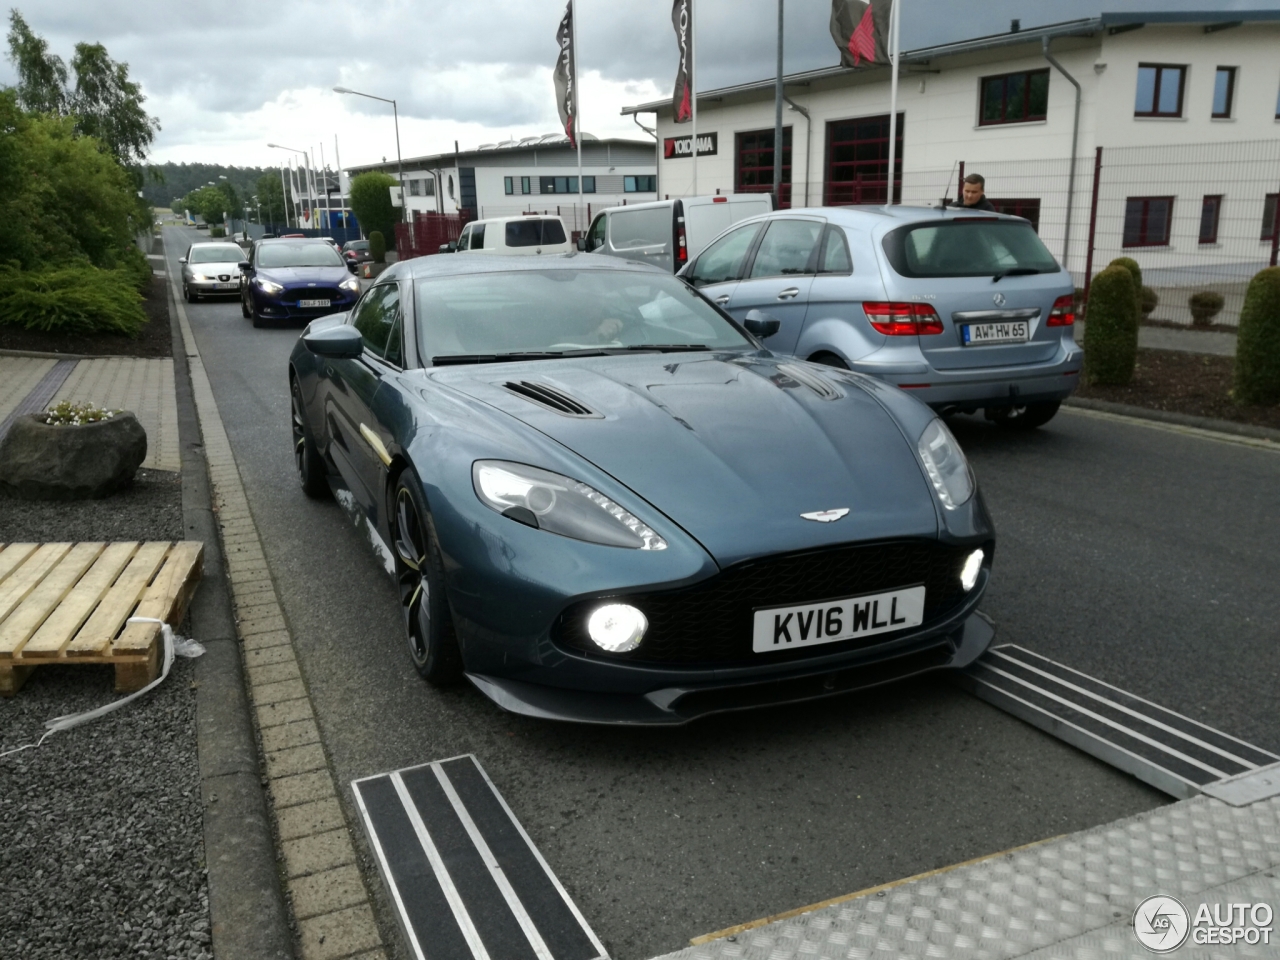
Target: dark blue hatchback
295,279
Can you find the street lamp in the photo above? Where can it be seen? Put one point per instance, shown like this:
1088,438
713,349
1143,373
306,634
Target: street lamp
395,113
307,160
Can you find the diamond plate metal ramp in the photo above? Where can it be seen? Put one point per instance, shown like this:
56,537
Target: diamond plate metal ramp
466,880
1172,753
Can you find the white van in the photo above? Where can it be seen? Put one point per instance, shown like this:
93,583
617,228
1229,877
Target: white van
669,233
519,236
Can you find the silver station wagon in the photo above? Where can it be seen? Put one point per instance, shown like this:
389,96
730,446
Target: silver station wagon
967,311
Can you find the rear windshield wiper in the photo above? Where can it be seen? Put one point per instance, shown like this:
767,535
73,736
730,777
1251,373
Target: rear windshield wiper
1015,272
459,358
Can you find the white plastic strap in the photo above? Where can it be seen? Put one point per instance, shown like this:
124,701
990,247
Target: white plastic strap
173,644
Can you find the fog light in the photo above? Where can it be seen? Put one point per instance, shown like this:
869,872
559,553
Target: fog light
617,627
969,575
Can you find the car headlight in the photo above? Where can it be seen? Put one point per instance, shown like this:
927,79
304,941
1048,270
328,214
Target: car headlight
548,501
269,286
351,285
946,465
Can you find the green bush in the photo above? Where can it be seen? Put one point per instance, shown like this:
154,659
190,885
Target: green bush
77,298
1258,343
371,203
1204,305
136,264
217,232
1131,265
1147,300
1111,333
378,247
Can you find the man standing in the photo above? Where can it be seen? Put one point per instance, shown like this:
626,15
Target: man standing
973,194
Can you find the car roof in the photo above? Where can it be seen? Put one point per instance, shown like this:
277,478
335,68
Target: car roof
866,217
525,216
463,263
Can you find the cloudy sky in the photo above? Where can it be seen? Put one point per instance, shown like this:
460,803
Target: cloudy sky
226,77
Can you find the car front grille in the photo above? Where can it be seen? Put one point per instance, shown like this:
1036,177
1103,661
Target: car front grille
710,623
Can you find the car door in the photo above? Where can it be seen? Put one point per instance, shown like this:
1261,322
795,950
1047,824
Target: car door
357,446
595,236
646,234
779,278
717,269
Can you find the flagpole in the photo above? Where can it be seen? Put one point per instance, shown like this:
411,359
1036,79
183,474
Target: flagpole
693,88
894,23
577,114
777,119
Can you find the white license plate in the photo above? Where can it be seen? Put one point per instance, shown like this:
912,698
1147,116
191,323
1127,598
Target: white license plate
313,303
1015,331
228,286
785,628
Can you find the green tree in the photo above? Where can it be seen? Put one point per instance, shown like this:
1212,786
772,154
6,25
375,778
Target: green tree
42,76
1111,333
1258,349
210,202
371,203
271,195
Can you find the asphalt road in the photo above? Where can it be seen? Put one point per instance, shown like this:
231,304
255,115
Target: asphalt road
1144,557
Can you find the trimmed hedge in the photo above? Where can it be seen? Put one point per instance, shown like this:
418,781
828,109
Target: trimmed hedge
1147,300
1205,305
1111,333
1131,265
1258,343
78,298
378,247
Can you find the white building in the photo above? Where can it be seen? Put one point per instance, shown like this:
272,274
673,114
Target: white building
536,174
1185,106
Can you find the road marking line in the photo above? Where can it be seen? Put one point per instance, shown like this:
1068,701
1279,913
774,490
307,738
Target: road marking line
869,891
1198,432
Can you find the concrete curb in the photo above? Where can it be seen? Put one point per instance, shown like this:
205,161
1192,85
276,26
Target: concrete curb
246,905
1178,419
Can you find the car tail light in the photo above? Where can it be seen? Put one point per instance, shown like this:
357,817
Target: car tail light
1063,313
682,246
903,319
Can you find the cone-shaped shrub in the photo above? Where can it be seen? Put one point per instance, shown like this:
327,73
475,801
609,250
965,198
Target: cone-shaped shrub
1111,333
378,247
1258,343
1205,305
1131,265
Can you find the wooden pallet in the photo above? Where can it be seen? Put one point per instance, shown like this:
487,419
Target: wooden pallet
68,603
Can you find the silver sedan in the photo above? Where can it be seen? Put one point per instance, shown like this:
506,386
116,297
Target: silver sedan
211,269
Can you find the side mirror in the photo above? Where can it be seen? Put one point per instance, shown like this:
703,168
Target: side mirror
582,244
760,325
244,266
450,247
341,342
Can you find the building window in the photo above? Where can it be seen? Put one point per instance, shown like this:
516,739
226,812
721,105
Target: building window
1028,208
1269,217
526,185
754,173
566,184
639,184
1159,90
509,185
1210,210
1146,221
1015,97
1224,91
415,188
858,161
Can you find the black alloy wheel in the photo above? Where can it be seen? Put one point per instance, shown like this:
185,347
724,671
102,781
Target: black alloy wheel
244,306
311,468
1027,417
188,295
433,644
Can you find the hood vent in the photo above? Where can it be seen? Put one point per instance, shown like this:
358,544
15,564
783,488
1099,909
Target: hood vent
815,382
547,396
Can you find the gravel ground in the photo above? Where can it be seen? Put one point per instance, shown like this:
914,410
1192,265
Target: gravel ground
103,854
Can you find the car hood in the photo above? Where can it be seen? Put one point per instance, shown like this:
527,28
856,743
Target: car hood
295,275
734,449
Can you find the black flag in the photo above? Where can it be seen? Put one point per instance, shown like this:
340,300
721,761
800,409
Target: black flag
565,77
861,30
682,98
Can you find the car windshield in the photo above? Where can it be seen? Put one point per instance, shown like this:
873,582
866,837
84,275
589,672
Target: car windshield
534,233
558,311
967,248
303,254
356,245
216,253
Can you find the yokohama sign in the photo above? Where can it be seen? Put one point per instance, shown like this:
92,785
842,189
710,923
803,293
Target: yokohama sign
674,148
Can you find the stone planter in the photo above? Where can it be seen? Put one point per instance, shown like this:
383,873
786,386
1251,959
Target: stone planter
41,461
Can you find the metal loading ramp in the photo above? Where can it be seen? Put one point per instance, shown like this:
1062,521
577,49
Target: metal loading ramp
1172,753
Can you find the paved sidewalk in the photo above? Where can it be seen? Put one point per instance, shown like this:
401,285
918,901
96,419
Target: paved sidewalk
144,386
1213,342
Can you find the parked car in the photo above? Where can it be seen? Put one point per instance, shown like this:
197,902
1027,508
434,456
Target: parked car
605,502
295,280
965,311
519,236
667,233
357,251
202,225
211,268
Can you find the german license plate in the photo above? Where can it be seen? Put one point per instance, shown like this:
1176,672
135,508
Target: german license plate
786,628
1015,331
228,286
313,303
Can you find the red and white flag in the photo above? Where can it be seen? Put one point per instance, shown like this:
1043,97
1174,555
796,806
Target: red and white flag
565,76
861,29
682,98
